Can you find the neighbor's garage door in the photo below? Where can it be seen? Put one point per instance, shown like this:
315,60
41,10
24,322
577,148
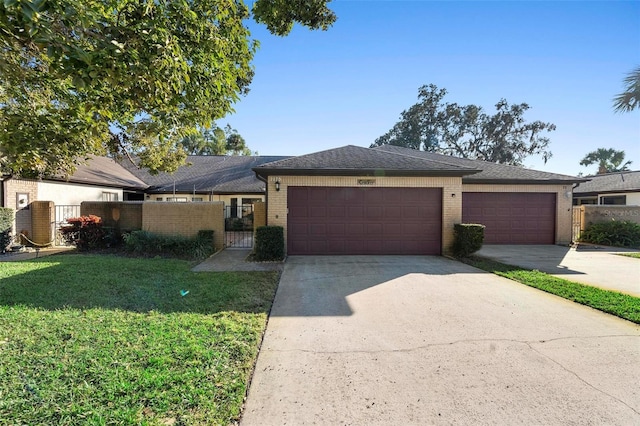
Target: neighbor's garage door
328,220
512,217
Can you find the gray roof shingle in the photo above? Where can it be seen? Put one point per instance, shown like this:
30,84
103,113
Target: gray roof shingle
106,172
610,182
355,160
490,172
208,174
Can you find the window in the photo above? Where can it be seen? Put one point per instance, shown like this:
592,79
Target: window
177,199
196,199
614,200
247,201
109,196
158,198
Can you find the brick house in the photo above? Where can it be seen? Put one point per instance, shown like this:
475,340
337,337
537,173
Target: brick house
393,200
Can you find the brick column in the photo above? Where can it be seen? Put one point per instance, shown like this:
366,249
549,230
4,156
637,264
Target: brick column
42,218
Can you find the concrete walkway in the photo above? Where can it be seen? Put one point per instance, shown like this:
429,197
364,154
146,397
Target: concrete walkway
362,340
598,266
33,254
235,260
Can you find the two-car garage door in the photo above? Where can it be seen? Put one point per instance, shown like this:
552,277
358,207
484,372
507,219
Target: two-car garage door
348,220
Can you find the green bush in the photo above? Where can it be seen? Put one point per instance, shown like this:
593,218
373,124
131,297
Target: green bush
85,232
468,238
6,224
269,244
143,242
613,233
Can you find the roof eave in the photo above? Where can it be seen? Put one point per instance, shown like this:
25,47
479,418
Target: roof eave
496,181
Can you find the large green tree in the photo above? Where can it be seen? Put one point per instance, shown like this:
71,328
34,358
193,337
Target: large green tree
629,99
468,131
215,141
608,160
125,77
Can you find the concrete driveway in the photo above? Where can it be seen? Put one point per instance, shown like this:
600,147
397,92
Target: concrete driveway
363,340
597,266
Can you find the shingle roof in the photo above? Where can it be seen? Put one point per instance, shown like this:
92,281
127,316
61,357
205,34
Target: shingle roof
208,173
610,182
106,172
490,172
355,160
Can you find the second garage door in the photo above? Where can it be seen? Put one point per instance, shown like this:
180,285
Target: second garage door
331,220
512,217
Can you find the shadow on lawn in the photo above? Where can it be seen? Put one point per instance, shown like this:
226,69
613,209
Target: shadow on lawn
137,285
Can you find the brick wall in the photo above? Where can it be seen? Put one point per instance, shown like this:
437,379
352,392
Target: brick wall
185,219
451,196
563,203
591,214
13,187
126,216
259,215
42,219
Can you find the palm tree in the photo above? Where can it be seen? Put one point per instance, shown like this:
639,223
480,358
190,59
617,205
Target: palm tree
608,160
630,98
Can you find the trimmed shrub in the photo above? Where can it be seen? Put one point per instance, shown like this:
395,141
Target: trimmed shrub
85,232
147,243
468,238
269,244
613,233
6,225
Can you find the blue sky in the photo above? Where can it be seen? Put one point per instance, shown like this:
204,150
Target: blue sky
316,90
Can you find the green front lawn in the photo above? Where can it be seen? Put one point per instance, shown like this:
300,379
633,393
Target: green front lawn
612,302
87,339
636,255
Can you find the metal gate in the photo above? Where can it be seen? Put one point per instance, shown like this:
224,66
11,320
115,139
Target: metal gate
238,226
62,214
576,223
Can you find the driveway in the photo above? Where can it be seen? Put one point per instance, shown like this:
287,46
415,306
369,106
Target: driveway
597,266
361,340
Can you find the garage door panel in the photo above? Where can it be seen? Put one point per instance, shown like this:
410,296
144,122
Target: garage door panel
512,217
364,220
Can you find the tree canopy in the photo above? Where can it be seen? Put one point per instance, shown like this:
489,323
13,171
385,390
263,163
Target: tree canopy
215,141
608,160
468,131
629,99
120,77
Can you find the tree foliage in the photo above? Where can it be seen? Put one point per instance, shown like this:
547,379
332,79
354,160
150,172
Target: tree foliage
629,99
215,141
608,160
468,131
98,76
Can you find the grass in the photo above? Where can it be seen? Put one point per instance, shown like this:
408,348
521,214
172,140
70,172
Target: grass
106,340
635,255
612,302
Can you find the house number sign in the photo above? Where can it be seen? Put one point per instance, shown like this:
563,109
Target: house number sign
366,181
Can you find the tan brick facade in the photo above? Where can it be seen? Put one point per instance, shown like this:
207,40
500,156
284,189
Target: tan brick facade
125,216
452,189
184,219
451,196
563,203
259,215
13,187
42,220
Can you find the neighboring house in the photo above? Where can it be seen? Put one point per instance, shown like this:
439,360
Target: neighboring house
100,179
393,200
619,188
208,178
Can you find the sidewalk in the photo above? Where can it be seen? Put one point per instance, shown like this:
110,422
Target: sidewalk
598,266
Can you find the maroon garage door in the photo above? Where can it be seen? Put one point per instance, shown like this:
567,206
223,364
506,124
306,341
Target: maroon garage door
512,217
326,220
